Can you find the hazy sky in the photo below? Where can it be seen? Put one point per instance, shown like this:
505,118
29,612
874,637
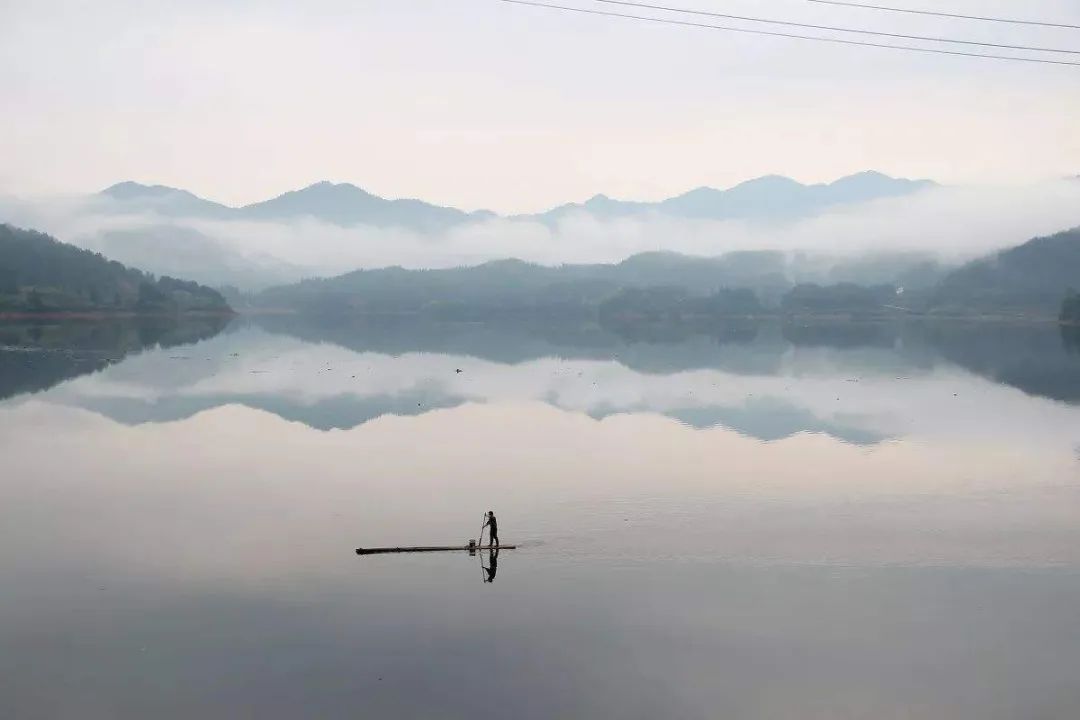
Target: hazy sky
477,103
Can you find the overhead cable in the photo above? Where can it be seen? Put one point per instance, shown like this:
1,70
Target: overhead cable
796,36
927,38
983,18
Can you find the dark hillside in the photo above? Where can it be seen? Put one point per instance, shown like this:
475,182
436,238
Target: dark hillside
40,274
1029,279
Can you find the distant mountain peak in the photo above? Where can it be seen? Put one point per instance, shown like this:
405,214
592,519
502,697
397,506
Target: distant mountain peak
328,184
703,191
346,205
873,176
603,203
130,196
867,174
131,190
770,182
326,187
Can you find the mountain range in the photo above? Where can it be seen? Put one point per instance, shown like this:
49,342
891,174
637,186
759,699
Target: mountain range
770,198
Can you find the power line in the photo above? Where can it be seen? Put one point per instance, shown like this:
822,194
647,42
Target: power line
948,15
772,33
705,13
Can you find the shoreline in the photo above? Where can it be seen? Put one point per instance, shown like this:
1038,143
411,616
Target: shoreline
101,315
793,319
789,318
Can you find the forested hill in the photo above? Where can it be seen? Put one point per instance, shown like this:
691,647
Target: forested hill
1029,280
1032,278
38,273
512,285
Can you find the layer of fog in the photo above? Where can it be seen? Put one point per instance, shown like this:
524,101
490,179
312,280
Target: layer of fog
951,223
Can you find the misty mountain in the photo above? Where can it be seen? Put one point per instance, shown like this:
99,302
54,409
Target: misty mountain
135,199
38,273
1032,278
334,203
516,286
346,205
182,251
909,271
769,198
511,285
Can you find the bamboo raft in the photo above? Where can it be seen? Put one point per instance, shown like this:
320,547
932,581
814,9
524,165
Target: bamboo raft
471,547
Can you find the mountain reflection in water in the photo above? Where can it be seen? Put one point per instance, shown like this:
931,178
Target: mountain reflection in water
860,383
35,356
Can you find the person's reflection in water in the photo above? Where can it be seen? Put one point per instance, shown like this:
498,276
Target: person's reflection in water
492,566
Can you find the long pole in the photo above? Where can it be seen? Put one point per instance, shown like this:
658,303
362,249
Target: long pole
479,552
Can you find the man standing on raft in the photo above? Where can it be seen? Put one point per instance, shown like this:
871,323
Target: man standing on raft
492,523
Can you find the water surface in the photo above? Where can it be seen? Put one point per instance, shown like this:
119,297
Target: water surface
741,521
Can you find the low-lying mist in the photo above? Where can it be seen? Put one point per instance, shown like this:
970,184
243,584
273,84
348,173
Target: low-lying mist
950,223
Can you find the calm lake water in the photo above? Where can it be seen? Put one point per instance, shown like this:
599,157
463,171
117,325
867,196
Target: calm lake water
751,521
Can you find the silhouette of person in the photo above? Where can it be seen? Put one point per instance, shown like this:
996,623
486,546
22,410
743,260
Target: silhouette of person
493,565
493,524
